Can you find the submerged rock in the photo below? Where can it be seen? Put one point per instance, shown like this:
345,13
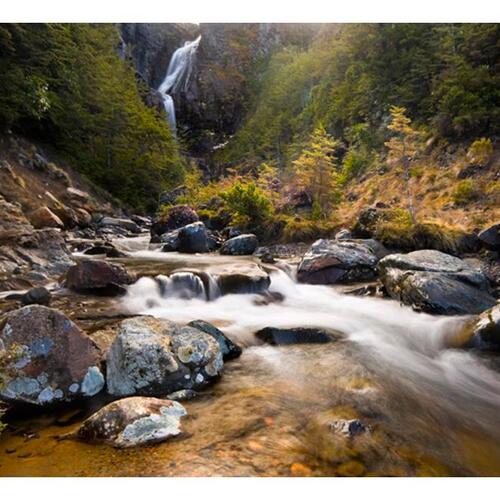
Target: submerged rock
328,262
228,348
349,428
435,282
154,357
193,238
244,244
133,421
56,361
97,275
240,278
299,335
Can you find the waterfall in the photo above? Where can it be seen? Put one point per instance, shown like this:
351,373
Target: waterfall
178,77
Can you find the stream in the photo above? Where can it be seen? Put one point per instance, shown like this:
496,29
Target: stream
428,409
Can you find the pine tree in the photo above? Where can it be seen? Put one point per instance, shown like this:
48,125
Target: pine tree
403,147
315,171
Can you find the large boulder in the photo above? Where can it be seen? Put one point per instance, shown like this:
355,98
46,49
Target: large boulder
193,238
133,422
177,217
228,348
244,244
98,276
490,237
435,282
244,277
54,361
329,261
154,357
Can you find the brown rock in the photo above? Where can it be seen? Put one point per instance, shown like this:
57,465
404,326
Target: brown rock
55,361
98,275
44,217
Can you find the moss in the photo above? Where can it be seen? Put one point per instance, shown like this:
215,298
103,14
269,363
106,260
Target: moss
302,229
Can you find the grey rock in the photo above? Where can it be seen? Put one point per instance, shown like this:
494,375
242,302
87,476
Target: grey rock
133,422
329,261
490,237
228,348
193,238
240,278
244,244
127,224
436,282
155,357
299,335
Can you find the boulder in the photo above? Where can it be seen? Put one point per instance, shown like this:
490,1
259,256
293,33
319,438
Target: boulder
154,357
366,224
44,217
78,197
98,276
435,282
490,237
132,422
83,217
227,347
55,360
170,241
127,224
177,217
242,277
244,244
486,328
299,335
328,262
193,238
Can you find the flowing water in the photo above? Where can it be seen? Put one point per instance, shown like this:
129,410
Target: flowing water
178,76
429,408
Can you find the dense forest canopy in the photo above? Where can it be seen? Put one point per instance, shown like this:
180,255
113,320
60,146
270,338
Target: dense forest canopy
65,84
446,76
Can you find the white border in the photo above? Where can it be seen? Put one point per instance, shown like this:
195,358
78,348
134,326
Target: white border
250,11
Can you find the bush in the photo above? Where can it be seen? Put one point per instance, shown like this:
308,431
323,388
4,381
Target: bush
480,151
249,204
464,192
356,161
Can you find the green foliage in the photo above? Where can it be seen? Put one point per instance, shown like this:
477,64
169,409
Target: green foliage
304,230
445,75
249,205
464,192
480,151
66,84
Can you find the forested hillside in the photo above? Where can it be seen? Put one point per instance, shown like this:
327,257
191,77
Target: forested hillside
64,84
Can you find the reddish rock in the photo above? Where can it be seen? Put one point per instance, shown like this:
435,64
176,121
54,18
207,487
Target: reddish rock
97,275
177,217
54,361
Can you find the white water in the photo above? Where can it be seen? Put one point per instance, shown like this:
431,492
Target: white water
178,77
398,343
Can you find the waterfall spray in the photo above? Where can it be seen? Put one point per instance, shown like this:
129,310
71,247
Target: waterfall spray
178,77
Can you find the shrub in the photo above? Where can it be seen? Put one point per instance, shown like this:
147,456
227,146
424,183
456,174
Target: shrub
305,230
356,161
249,204
464,192
480,151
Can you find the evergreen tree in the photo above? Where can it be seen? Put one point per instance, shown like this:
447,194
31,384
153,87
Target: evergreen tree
315,171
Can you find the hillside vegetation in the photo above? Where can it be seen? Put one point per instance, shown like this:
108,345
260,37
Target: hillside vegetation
66,85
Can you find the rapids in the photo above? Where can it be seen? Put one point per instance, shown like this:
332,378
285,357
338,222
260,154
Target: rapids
432,409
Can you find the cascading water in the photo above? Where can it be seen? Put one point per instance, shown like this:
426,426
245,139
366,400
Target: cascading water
178,77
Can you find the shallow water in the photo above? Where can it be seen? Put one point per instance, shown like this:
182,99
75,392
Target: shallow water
430,409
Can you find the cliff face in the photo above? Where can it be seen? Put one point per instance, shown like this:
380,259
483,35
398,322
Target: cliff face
228,63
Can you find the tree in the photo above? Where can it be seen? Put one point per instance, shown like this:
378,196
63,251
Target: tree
315,171
403,147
